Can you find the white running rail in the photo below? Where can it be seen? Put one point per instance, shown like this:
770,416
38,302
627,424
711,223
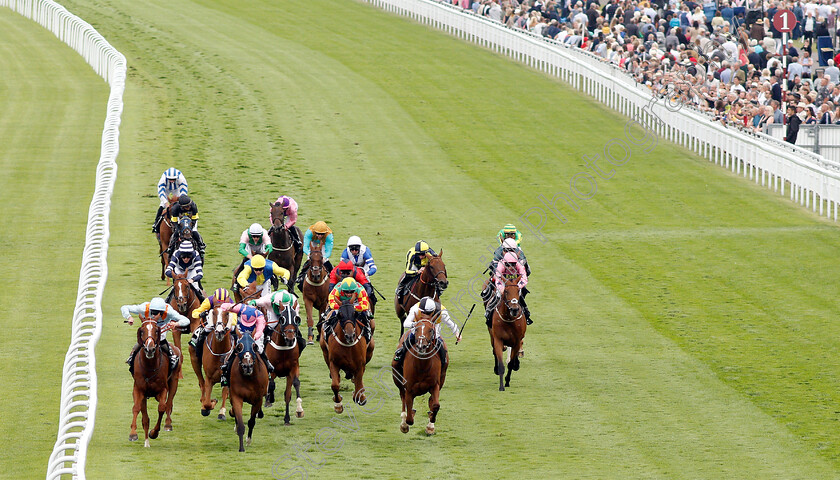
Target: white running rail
811,180
78,382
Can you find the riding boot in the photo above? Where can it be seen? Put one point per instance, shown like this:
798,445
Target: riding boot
130,359
527,312
171,294
309,336
156,225
173,359
196,337
302,275
488,314
399,355
300,340
225,368
268,364
441,351
401,287
328,266
198,291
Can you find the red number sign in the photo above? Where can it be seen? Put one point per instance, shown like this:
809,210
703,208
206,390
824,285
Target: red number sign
784,21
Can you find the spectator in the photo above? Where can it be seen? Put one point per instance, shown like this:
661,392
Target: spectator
833,72
793,122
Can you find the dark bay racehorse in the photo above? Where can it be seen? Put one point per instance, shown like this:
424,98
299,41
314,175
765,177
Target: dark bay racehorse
215,347
423,373
283,350
184,301
152,378
248,383
316,289
284,254
345,348
164,235
431,282
507,330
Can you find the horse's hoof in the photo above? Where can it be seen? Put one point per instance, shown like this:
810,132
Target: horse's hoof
521,353
147,444
507,384
204,412
241,449
260,414
501,388
167,428
287,424
248,442
132,437
404,427
268,404
153,434
222,416
310,340
430,429
299,414
339,408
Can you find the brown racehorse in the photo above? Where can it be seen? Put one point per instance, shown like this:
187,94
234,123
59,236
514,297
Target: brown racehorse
247,293
422,373
164,235
217,344
507,330
248,383
184,301
152,378
345,348
283,351
284,254
316,289
431,282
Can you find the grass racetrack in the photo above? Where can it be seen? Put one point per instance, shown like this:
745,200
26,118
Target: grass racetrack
683,316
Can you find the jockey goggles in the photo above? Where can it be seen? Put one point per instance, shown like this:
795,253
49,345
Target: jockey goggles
156,313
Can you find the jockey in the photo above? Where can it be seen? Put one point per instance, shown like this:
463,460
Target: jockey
359,254
509,267
253,241
427,308
509,245
185,260
171,186
510,231
219,296
415,259
347,270
159,311
186,206
264,272
275,304
317,237
290,208
350,291
250,319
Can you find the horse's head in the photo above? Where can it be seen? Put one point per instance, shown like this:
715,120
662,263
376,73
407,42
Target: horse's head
511,296
182,291
347,321
287,326
437,269
278,215
425,339
148,335
220,329
185,224
246,354
316,265
249,292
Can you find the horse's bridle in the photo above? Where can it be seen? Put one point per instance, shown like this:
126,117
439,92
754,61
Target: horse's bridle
507,303
282,227
287,322
423,352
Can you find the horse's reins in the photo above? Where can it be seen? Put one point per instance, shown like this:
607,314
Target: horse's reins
502,317
279,347
283,227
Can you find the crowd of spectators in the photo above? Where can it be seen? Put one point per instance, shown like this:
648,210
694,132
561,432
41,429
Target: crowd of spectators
724,57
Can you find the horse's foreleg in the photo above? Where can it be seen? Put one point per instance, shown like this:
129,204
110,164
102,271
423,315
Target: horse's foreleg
170,400
513,364
222,411
498,352
269,396
359,390
409,408
288,398
434,406
296,384
138,400
369,354
176,337
308,306
236,406
255,409
145,419
335,376
205,394
162,404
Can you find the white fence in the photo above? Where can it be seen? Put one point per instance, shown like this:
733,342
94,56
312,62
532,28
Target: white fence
78,383
821,139
810,179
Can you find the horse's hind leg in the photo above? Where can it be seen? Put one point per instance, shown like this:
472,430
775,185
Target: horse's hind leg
269,396
500,365
296,384
255,409
434,407
222,411
335,376
288,398
138,400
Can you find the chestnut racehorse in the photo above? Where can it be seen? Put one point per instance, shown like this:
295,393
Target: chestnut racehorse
316,290
423,373
152,378
184,301
345,348
507,330
283,350
164,235
216,346
431,282
248,383
284,252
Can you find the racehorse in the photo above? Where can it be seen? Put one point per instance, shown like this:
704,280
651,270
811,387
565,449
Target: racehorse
246,293
217,344
164,236
346,349
248,383
152,378
184,301
507,330
316,290
283,350
284,253
423,372
431,282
